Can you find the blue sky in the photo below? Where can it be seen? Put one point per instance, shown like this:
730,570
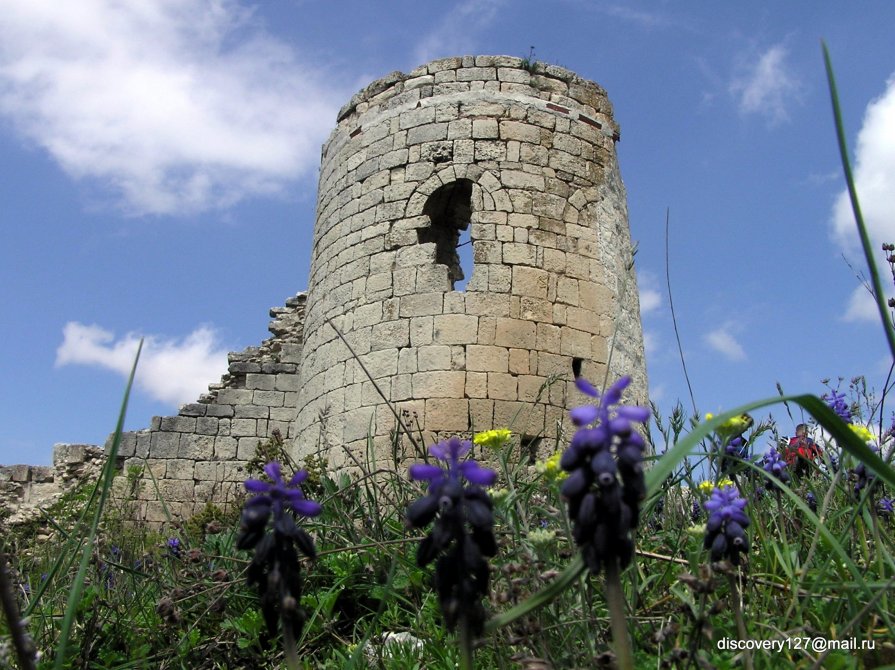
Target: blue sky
159,165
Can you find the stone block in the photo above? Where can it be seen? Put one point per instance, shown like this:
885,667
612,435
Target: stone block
243,427
219,410
390,334
179,468
422,304
531,282
178,424
287,382
196,447
164,445
254,411
486,358
455,328
502,386
437,357
260,381
447,414
207,425
234,397
193,409
439,384
269,398
481,415
224,448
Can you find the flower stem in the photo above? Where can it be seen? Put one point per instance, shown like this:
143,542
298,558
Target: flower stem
466,652
615,598
289,647
736,606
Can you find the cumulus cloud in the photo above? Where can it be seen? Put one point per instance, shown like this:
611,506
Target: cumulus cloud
650,296
650,342
457,33
767,86
172,371
861,306
874,174
723,341
178,105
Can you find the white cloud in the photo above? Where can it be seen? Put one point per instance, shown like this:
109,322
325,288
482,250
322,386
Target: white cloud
861,306
457,34
169,370
767,86
176,105
723,341
874,174
650,296
650,342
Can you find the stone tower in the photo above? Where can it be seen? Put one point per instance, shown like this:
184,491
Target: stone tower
518,157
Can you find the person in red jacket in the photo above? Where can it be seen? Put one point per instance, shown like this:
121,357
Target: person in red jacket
800,450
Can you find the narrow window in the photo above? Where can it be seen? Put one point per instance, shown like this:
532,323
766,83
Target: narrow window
449,209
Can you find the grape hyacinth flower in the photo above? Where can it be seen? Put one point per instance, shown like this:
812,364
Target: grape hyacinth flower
275,570
811,499
605,510
885,507
173,545
836,402
776,466
725,530
462,535
862,476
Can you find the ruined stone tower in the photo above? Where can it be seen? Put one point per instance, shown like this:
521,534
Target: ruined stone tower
522,158
514,158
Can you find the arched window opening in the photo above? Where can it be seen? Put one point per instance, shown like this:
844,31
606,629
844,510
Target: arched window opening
449,209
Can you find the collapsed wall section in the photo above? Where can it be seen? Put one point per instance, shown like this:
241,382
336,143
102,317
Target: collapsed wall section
199,455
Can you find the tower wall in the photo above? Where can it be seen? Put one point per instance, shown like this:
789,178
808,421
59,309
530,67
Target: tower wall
524,159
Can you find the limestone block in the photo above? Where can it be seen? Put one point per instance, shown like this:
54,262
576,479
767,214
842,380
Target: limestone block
406,360
531,282
548,338
535,309
421,330
269,398
224,426
487,358
448,414
380,363
486,252
519,254
583,319
490,150
532,388
455,328
390,335
234,397
515,333
196,447
421,304
192,409
502,386
477,74
437,357
484,129
128,445
430,132
481,415
520,361
487,304
179,424
219,410
523,132
179,468
164,445
224,448
246,448
287,382
439,384
207,425
260,381
254,411
357,423
524,418
243,427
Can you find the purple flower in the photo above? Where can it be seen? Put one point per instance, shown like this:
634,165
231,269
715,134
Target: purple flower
275,569
774,465
811,499
278,494
173,545
605,485
836,402
725,529
462,535
886,507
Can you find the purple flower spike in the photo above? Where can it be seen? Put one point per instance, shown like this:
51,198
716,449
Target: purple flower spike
462,537
606,483
725,529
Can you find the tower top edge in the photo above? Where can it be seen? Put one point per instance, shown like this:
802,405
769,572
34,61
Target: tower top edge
478,68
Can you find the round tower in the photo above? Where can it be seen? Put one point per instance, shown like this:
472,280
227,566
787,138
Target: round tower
515,160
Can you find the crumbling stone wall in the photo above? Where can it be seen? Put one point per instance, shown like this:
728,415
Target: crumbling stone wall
522,156
24,489
199,455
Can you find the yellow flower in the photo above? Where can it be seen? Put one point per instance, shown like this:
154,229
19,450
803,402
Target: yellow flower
498,495
862,432
551,469
709,486
732,427
493,439
539,536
